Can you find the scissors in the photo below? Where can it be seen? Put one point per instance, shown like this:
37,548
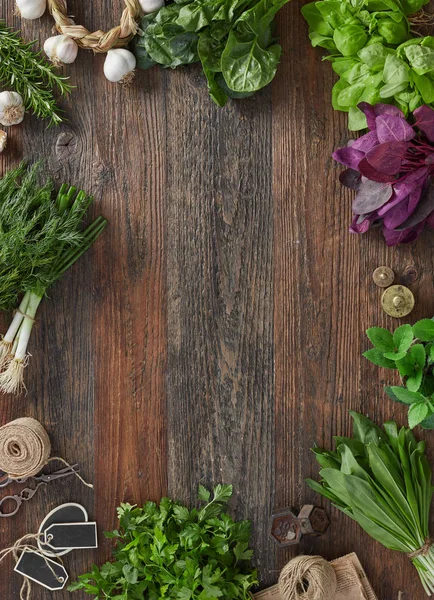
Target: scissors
27,493
5,480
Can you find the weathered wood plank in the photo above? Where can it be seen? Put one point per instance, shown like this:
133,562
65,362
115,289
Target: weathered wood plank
324,300
220,329
101,393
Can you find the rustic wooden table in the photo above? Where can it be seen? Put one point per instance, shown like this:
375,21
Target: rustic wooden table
215,331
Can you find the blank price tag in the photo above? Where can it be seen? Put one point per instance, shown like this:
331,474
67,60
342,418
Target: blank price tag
71,535
34,566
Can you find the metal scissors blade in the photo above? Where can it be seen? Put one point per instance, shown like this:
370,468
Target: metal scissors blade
65,472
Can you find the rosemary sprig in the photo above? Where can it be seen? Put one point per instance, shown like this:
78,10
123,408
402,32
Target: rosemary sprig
30,75
41,236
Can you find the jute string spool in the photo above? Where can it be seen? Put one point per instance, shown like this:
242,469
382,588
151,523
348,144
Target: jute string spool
308,578
25,449
98,41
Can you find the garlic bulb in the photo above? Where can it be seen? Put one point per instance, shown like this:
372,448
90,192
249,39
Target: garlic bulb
31,9
11,108
61,50
3,140
149,6
119,65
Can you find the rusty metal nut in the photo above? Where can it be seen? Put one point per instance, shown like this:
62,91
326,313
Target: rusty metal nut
285,528
313,520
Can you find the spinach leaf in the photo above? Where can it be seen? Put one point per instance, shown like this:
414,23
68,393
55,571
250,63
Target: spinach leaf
250,58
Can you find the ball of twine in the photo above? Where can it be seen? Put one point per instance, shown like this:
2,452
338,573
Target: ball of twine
24,448
308,578
98,41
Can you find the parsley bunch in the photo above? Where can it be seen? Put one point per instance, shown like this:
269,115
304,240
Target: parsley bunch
169,551
410,350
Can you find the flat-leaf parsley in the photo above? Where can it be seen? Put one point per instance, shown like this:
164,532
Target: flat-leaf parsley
169,551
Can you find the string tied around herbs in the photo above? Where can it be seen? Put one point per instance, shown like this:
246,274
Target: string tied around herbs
24,545
422,551
25,449
98,41
307,578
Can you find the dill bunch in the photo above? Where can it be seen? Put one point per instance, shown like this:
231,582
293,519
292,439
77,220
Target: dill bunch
41,236
30,75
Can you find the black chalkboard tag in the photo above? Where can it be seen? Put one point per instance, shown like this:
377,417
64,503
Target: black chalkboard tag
66,513
34,566
71,535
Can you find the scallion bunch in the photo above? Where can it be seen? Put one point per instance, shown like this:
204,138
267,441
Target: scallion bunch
381,478
41,236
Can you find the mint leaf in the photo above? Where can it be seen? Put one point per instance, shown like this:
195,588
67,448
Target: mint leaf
428,422
405,396
381,338
376,357
395,355
414,381
424,330
417,413
403,338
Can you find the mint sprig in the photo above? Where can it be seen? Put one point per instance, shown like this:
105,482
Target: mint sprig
409,350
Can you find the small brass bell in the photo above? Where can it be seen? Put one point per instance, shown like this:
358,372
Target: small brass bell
397,301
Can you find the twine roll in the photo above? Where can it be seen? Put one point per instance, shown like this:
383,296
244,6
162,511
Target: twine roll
24,448
98,41
308,578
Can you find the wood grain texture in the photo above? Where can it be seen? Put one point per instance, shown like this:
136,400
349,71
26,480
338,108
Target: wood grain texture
220,396
215,331
324,300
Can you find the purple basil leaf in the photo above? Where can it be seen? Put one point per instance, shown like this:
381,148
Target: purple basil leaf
350,179
393,237
387,158
369,113
362,226
371,195
423,209
367,170
425,121
388,109
366,142
404,187
393,129
394,218
430,220
348,156
413,199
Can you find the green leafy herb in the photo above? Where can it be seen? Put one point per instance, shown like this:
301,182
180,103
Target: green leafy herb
170,551
26,72
381,478
41,236
374,53
232,39
415,364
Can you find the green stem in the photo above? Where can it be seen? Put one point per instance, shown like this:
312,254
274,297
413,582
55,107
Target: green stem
27,325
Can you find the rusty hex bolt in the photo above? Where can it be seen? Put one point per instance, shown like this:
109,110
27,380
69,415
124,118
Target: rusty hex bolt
313,520
285,528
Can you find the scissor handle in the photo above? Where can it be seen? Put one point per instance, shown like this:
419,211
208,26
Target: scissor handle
5,480
18,501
